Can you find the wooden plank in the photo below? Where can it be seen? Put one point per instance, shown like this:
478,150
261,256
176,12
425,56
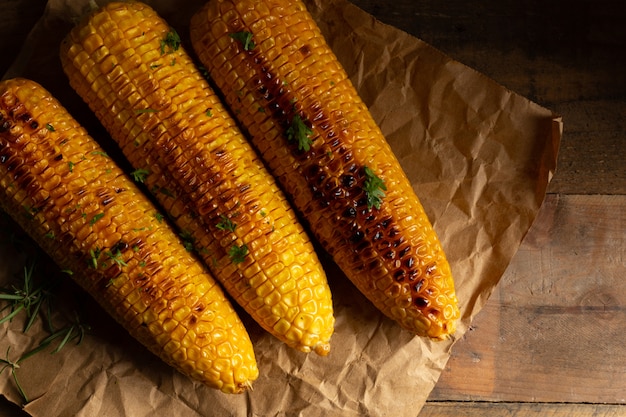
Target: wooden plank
566,59
478,409
553,331
528,44
592,156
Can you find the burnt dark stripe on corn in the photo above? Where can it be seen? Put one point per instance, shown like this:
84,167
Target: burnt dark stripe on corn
88,216
390,252
169,122
367,229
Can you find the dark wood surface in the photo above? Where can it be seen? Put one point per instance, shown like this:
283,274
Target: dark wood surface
550,341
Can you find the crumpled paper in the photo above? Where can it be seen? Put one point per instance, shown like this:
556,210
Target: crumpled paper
479,156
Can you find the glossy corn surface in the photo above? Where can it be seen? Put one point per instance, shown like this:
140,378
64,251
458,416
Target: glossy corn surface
142,85
288,90
93,221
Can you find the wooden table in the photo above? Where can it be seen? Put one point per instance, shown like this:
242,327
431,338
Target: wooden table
551,340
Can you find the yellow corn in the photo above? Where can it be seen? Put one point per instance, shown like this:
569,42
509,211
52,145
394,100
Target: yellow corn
127,64
288,90
93,221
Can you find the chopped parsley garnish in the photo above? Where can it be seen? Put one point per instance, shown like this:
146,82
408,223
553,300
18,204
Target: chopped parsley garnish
95,218
139,175
116,257
375,189
245,38
70,165
226,224
238,253
93,257
171,41
299,131
166,192
188,240
209,113
50,127
104,154
158,216
204,72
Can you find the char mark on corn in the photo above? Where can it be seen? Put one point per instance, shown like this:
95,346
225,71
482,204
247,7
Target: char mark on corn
93,221
290,92
173,128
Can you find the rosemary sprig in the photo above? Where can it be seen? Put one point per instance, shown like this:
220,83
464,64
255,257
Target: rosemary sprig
29,298
32,297
14,366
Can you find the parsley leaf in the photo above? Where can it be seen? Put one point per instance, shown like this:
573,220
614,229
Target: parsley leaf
94,254
245,38
139,175
171,41
238,253
188,240
95,218
226,224
116,257
374,187
300,132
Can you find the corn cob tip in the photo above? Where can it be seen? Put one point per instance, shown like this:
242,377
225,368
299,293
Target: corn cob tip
323,349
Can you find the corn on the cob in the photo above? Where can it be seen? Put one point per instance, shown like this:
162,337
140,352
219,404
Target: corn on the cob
127,64
288,90
93,221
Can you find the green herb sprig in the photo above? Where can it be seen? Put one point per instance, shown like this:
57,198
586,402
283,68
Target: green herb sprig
30,298
171,42
238,253
225,224
245,38
140,175
300,132
374,188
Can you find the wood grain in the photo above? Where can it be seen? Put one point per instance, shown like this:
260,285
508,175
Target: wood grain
553,331
476,409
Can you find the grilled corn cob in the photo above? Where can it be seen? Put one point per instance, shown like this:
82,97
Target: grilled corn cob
288,90
128,65
93,221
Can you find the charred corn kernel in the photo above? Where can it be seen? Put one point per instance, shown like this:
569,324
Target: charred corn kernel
290,92
72,199
127,64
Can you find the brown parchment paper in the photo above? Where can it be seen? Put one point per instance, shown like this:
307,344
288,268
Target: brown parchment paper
480,157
